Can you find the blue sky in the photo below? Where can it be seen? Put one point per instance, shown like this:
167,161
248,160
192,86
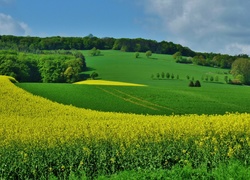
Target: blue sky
221,26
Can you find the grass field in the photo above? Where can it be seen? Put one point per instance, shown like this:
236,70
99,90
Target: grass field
158,97
41,139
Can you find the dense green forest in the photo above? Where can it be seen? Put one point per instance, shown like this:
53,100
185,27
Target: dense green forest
56,59
36,44
50,66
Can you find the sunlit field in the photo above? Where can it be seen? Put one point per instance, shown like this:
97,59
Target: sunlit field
107,83
131,88
41,139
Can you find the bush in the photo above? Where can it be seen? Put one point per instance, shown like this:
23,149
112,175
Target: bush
158,75
162,75
95,52
148,54
167,75
94,75
191,84
137,54
197,83
184,60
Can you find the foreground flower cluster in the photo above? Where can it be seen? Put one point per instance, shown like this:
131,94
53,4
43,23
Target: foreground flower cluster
39,138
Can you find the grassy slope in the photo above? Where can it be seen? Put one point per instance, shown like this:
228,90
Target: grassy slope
159,97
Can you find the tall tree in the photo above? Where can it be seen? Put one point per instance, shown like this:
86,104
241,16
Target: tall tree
241,67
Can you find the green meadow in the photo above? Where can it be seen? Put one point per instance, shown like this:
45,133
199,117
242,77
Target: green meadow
159,96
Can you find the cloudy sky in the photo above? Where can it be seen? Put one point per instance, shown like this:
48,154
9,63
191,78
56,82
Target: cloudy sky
221,26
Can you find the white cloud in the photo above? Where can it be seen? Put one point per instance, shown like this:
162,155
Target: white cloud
204,25
236,48
9,26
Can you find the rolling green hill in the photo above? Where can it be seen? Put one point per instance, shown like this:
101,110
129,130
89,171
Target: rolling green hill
123,66
158,96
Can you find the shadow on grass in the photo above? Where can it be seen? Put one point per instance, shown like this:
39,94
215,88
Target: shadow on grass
89,69
213,82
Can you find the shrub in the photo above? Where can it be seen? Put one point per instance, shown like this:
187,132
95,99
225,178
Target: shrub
148,54
184,60
158,75
162,75
95,52
167,75
93,75
137,54
191,84
197,83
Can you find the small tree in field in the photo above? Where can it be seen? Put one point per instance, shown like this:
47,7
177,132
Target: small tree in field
167,75
172,76
197,83
94,75
95,52
162,75
177,56
158,75
148,54
137,54
191,84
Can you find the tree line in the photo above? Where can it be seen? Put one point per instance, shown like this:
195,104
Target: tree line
36,44
239,64
45,67
224,61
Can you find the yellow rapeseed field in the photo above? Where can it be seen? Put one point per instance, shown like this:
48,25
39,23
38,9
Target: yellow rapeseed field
108,83
39,137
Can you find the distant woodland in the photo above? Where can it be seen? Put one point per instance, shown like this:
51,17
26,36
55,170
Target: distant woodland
35,44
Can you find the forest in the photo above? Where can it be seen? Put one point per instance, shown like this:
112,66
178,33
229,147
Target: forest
47,66
36,44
